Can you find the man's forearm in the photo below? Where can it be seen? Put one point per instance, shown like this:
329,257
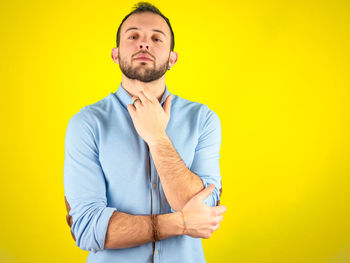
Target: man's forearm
125,230
179,183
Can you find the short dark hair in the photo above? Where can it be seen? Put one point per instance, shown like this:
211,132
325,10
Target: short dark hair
142,7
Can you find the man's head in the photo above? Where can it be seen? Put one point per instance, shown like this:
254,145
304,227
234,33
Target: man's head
145,32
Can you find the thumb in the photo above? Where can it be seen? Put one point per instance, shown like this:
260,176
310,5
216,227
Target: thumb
167,104
202,195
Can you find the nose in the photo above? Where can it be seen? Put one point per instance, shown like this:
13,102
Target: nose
144,43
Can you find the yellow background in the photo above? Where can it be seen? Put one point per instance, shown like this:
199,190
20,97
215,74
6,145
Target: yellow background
276,73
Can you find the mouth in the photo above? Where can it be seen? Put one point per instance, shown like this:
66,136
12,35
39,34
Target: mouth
143,58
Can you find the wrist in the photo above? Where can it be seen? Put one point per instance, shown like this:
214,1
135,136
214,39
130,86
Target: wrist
170,225
184,223
162,139
180,223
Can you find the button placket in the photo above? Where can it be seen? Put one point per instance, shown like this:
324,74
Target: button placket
150,181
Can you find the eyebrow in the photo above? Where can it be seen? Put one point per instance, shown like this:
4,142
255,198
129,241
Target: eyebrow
136,28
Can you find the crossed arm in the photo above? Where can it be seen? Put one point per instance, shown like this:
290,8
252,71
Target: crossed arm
179,184
125,230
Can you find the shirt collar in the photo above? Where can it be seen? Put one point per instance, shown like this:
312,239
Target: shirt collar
125,98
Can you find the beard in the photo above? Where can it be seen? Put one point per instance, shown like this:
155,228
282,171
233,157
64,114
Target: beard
142,72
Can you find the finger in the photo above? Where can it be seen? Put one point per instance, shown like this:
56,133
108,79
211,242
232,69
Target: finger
131,110
202,195
147,94
150,96
220,218
167,104
143,98
133,98
216,227
219,209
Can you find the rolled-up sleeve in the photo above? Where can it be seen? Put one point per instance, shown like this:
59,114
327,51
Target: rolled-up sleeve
207,154
84,183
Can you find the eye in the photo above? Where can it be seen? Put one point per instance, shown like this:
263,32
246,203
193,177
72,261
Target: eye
131,37
158,39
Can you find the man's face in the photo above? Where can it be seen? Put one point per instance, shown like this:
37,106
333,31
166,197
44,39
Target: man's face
144,35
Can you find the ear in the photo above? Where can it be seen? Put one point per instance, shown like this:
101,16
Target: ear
172,59
114,55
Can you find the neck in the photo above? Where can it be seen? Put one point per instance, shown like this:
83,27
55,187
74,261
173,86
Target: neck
156,87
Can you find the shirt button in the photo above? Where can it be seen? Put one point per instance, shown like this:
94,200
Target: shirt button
157,252
154,185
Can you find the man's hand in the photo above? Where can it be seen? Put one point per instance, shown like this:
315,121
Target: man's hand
149,118
202,220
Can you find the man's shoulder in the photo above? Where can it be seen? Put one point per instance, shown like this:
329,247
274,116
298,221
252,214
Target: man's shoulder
92,113
194,107
101,107
186,104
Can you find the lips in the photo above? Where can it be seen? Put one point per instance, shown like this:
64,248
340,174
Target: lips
143,57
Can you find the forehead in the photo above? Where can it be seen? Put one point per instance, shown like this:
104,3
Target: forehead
146,21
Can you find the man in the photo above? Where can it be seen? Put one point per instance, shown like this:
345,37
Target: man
141,174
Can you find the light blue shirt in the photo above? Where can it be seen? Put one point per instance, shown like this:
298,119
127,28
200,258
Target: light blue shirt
108,168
